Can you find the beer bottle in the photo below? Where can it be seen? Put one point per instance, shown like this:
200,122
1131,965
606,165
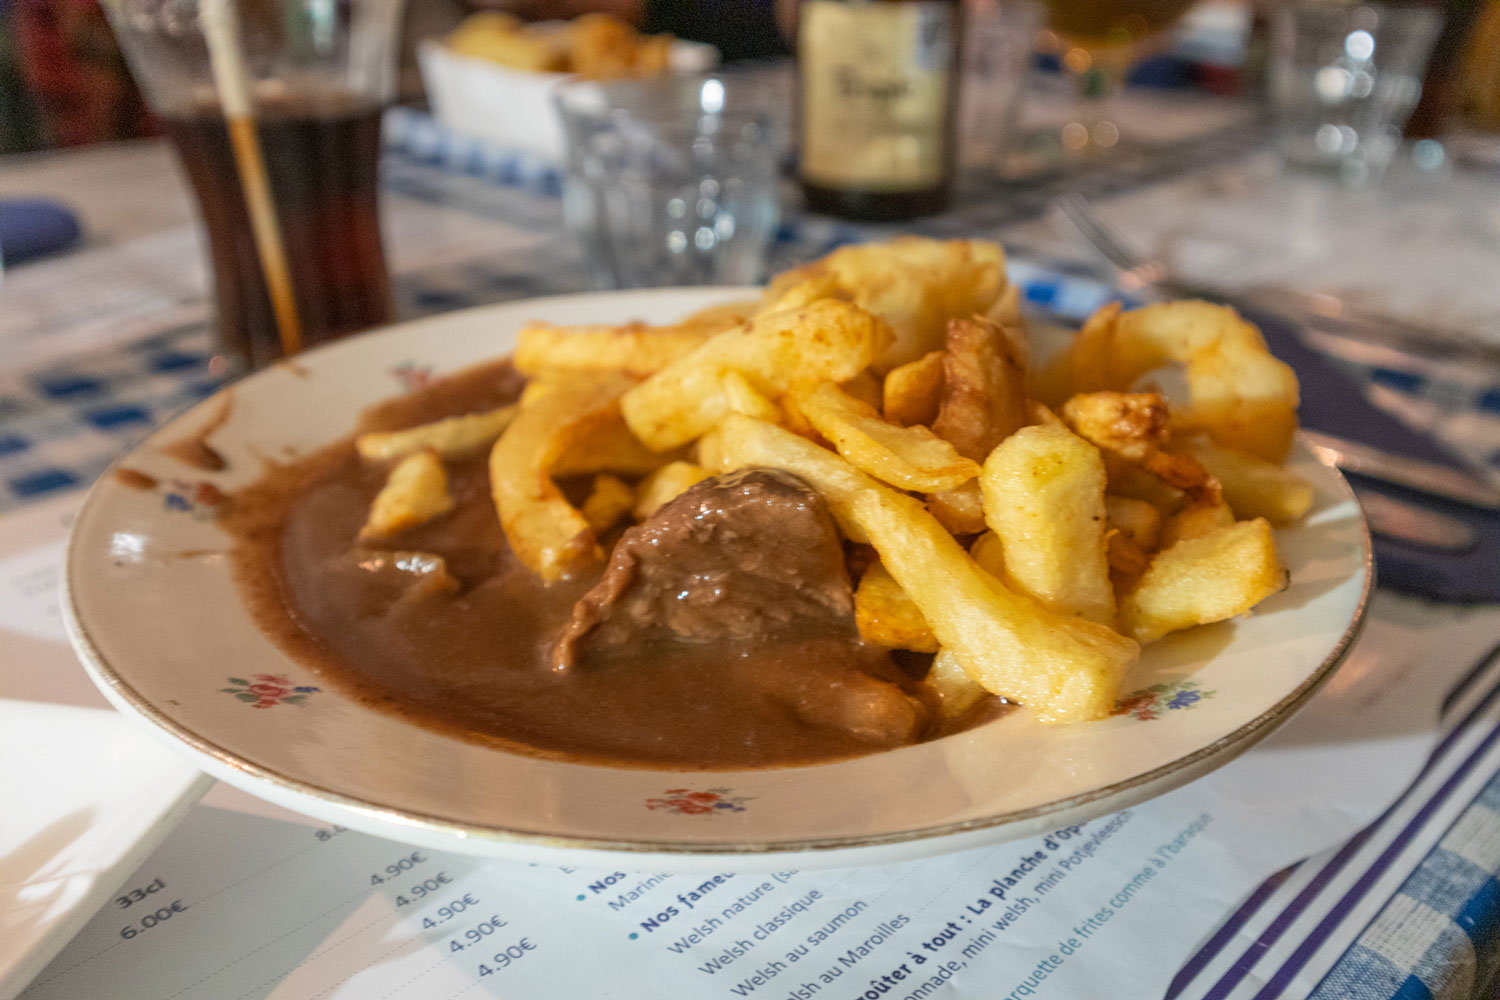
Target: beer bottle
879,87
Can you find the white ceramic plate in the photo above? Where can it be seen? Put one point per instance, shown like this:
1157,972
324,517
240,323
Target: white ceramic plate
167,639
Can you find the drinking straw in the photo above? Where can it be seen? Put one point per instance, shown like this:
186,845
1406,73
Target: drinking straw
226,58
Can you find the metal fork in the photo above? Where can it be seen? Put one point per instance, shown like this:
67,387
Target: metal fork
1338,318
1140,272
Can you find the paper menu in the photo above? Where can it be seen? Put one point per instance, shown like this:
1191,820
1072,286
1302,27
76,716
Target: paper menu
87,793
236,906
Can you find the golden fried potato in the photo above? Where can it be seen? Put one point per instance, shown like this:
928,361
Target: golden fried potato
415,492
547,534
501,38
1043,491
453,437
1194,520
635,349
666,483
912,392
1130,424
1135,426
914,283
887,617
960,510
1066,669
1252,486
1136,520
826,340
1209,578
1085,365
1127,560
603,443
717,318
602,47
984,388
911,458
610,499
989,552
1241,395
957,692
864,387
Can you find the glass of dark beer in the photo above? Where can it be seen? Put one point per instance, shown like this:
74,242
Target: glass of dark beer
319,73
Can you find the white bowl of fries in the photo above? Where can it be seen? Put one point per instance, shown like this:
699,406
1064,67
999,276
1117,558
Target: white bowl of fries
493,78
1159,587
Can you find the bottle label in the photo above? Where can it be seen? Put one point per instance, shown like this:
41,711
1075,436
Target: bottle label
875,93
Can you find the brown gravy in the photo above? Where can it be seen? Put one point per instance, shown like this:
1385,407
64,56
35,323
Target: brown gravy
469,652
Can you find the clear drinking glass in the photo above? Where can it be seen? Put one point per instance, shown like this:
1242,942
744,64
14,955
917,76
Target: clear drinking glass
999,36
673,180
320,72
1344,79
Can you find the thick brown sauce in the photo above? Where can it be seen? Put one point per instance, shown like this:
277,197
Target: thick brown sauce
195,450
475,660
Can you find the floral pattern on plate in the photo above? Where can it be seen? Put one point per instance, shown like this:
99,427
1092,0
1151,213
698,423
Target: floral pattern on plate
268,690
1152,702
690,803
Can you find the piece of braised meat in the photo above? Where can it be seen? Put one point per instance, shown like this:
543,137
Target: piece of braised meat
752,555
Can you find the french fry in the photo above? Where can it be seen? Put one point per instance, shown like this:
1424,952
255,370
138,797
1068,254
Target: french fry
604,444
453,437
911,458
663,485
826,340
1085,364
989,552
1137,520
1241,395
984,388
1210,578
1043,490
610,499
1252,486
914,283
959,510
887,617
718,318
1127,560
1066,669
547,351
864,387
957,692
802,292
501,38
1194,520
1135,426
547,534
912,392
415,492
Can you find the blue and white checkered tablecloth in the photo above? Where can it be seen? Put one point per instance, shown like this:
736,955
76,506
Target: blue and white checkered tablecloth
1409,908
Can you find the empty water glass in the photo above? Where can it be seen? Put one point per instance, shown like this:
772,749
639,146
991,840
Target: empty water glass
672,180
1344,79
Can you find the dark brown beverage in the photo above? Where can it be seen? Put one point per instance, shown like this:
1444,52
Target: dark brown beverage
322,163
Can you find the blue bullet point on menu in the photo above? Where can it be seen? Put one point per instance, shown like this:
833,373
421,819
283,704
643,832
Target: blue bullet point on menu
633,935
580,896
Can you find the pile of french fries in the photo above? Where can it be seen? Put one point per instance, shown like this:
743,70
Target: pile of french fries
597,46
1031,527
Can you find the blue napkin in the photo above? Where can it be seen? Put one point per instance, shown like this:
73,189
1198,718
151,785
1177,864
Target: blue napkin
33,227
1335,404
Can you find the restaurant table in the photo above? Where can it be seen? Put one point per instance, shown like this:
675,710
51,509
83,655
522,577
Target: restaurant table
104,342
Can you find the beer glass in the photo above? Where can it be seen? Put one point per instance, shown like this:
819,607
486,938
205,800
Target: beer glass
319,73
1099,40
